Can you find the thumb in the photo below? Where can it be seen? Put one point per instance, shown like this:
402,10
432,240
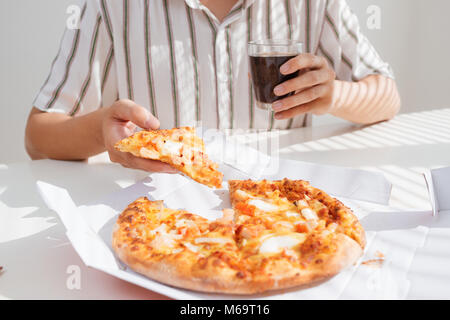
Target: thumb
127,110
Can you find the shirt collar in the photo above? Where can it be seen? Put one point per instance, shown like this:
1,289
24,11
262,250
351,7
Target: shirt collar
237,10
196,4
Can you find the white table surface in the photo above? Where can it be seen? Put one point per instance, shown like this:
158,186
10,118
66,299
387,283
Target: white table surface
37,256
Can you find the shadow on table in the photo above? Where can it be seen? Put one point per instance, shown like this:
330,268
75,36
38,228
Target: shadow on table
287,138
37,255
85,182
37,267
402,156
418,139
307,134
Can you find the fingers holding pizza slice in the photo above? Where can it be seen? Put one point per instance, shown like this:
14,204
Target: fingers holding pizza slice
179,147
279,234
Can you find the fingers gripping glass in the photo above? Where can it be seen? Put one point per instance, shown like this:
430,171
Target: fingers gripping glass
266,57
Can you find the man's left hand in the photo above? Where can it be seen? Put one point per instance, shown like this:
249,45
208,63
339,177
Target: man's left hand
313,89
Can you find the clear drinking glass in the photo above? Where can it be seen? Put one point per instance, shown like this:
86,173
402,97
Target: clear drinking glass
266,57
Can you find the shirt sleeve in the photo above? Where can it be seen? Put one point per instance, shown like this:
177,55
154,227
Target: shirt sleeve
342,43
80,77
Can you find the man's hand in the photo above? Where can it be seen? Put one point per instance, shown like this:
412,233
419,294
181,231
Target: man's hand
313,89
121,121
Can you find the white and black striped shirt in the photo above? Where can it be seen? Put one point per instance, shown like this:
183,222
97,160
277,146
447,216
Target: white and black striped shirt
175,58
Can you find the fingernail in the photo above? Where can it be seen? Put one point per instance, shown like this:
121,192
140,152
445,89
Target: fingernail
284,69
277,105
279,90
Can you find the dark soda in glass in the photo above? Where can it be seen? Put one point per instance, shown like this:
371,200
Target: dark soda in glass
265,59
265,71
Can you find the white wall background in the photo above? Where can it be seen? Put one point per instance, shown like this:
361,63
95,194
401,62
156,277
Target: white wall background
413,38
30,31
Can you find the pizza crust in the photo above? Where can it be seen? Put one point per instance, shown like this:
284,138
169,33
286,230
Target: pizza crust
223,280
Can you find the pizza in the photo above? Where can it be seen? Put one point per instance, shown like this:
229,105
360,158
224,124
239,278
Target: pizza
279,234
179,147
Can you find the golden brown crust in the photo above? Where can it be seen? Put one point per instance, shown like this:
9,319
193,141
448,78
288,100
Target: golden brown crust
220,280
179,147
241,261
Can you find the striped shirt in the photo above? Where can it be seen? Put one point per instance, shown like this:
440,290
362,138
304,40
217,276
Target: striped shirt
176,59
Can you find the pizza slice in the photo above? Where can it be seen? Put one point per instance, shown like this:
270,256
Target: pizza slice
177,247
293,205
179,147
294,232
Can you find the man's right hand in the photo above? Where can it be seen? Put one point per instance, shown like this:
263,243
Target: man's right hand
121,121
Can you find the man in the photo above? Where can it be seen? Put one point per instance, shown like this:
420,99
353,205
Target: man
171,63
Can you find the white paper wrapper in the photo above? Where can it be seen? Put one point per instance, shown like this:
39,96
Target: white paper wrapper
438,183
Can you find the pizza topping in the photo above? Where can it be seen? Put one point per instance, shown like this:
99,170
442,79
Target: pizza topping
302,227
292,214
171,148
309,214
163,241
241,195
148,153
290,254
250,231
191,247
227,217
263,205
162,214
332,227
184,223
283,226
212,240
301,204
160,229
278,243
246,209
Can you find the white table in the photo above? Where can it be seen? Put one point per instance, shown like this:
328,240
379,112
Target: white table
37,256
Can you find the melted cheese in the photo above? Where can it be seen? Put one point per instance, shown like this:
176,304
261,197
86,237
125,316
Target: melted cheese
242,195
184,223
278,244
163,240
150,154
309,214
263,205
291,214
191,247
171,148
211,240
284,224
161,229
301,204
